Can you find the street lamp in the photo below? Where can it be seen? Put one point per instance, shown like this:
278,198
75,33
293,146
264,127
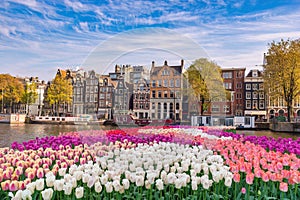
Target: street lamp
2,101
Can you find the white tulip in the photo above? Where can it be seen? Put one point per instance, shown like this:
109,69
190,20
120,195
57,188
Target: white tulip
104,179
67,188
98,187
58,185
49,174
85,178
26,194
147,185
47,194
109,187
194,185
171,177
125,183
163,176
73,181
139,181
79,192
40,184
62,171
50,180
91,181
178,183
31,187
78,175
67,177
159,184
228,181
72,169
116,185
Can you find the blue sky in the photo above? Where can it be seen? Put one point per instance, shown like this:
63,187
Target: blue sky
38,37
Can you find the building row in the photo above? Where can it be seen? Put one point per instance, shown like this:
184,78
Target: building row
161,92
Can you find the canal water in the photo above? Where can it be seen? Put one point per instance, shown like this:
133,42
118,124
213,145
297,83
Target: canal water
23,132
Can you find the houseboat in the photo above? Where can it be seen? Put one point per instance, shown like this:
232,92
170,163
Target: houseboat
12,118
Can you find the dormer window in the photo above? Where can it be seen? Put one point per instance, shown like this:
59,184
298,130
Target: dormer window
166,72
254,74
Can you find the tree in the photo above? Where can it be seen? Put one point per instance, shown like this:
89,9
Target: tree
282,71
59,91
30,95
205,79
12,90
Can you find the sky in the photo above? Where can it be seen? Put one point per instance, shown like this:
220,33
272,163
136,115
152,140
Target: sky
37,37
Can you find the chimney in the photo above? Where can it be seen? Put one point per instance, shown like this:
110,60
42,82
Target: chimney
153,64
182,63
166,63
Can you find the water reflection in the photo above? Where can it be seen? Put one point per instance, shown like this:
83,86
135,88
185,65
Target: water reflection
23,132
269,133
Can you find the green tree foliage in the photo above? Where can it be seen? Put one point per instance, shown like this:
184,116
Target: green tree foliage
205,80
282,71
12,89
30,94
59,91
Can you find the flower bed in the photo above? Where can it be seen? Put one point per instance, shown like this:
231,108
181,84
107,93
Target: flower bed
151,163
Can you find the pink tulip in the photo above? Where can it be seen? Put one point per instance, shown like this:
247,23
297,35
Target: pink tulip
14,186
5,185
40,173
236,177
22,185
283,187
243,190
249,178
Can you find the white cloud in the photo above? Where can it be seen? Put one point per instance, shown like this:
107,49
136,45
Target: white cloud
30,3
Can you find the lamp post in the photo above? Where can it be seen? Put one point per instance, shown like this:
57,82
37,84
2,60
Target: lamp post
2,101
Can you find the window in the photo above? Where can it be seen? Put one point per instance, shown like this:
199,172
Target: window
261,104
153,83
141,106
166,72
261,86
227,85
166,94
248,95
261,95
171,83
177,106
226,108
238,95
255,95
227,75
159,83
102,96
153,94
239,74
171,94
254,86
239,85
248,86
248,104
153,106
177,83
254,73
166,83
215,108
254,106
159,94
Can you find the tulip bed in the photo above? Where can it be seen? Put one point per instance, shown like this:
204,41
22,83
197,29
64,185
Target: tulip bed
151,163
